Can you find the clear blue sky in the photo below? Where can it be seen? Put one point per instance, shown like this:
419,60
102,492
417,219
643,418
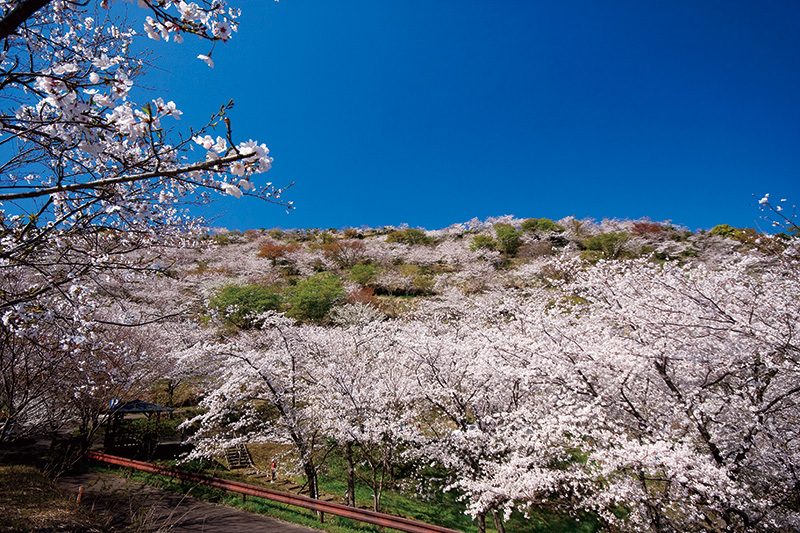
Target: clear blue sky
431,113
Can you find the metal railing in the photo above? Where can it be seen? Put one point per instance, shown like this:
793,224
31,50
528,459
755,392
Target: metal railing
362,515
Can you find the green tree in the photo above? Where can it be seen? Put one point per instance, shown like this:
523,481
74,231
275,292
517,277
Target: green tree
363,273
609,245
410,236
481,241
544,225
313,297
240,304
508,238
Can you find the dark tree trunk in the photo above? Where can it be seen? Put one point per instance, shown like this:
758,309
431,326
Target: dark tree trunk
498,522
351,475
313,488
482,523
377,493
17,16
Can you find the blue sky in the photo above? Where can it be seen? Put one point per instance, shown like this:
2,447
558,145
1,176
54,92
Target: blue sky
430,113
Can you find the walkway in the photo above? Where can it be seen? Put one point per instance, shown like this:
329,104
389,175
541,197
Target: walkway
134,505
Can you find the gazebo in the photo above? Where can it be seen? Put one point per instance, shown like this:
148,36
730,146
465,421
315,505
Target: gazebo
117,412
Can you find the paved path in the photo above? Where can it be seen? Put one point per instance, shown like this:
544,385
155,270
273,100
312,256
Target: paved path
132,504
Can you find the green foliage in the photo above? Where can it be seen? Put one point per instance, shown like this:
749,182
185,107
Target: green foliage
743,235
410,236
508,238
222,239
544,225
363,273
313,297
607,245
481,241
422,278
429,503
239,304
723,230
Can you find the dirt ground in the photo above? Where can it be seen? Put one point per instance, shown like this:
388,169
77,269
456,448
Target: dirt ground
133,506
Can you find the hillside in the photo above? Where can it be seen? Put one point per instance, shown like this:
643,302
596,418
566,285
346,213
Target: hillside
392,268
622,369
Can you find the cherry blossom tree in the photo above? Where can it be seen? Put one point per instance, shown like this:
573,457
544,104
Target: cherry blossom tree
363,396
684,397
93,178
651,395
263,392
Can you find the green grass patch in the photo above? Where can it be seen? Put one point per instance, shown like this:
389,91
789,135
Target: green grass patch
437,507
445,509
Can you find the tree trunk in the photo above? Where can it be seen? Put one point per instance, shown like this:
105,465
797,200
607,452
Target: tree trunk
171,388
17,16
377,492
311,477
351,475
481,522
498,522
313,489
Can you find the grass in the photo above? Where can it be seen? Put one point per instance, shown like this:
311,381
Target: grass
252,504
445,509
29,501
437,507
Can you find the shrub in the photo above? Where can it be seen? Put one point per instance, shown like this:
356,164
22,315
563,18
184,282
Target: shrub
553,275
312,298
723,230
410,236
252,234
609,245
508,238
544,225
222,239
648,228
345,253
743,235
363,273
240,304
326,237
274,250
422,279
423,283
484,242
363,295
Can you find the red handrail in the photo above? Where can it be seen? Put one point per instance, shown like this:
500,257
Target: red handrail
362,515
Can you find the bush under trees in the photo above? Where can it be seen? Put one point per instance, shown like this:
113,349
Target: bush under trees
313,297
410,236
609,245
482,242
508,238
363,273
544,225
239,305
743,235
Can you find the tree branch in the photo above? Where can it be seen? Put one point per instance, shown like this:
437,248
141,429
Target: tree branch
22,12
205,165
